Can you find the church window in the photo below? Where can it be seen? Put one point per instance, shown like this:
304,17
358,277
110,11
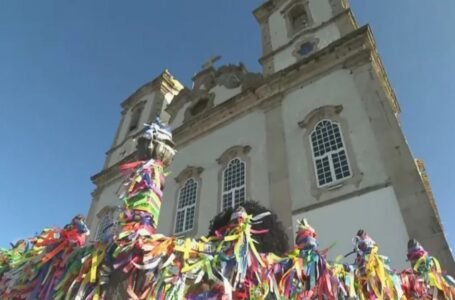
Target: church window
305,49
186,206
298,18
135,118
329,153
199,107
104,228
234,184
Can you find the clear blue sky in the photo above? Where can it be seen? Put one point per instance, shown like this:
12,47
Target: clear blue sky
65,66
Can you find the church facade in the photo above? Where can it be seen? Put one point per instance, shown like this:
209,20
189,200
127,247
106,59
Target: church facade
316,134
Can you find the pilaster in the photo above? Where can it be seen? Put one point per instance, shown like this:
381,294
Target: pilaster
277,161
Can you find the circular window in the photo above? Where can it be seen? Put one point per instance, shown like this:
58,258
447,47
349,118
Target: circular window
199,106
305,49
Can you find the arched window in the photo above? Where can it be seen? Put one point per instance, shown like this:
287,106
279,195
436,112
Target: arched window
234,184
105,227
186,206
298,17
330,158
199,107
135,117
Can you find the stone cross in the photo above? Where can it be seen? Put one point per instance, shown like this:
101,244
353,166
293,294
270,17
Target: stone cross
209,63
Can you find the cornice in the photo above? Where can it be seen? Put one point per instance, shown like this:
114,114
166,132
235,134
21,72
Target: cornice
169,83
109,173
212,117
209,78
354,46
266,9
318,112
178,101
187,173
164,83
234,151
194,100
427,187
379,68
127,139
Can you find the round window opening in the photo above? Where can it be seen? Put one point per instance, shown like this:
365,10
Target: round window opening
306,48
199,106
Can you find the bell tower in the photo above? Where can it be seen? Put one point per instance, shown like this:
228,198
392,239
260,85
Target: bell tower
142,107
295,29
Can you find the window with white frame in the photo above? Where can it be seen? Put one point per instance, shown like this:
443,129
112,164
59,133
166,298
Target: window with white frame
234,184
329,153
186,206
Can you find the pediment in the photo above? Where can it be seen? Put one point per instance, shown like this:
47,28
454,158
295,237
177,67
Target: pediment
211,87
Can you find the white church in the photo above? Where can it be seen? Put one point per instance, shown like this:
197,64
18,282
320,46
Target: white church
317,135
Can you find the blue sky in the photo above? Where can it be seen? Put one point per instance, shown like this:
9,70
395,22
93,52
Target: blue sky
65,66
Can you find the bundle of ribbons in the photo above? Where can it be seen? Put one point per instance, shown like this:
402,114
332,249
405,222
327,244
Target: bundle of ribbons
424,280
41,267
373,276
306,272
139,263
225,266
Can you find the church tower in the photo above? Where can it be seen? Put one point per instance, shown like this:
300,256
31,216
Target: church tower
315,135
142,107
292,30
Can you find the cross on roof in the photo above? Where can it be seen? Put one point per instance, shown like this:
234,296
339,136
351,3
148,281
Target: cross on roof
210,61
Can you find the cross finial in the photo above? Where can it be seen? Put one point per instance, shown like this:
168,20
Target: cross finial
210,61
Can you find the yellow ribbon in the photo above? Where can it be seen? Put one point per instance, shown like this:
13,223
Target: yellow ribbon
97,258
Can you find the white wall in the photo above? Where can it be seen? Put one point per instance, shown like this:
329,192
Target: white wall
376,212
180,115
203,152
325,36
150,104
145,113
124,140
126,148
278,31
222,93
320,12
108,197
336,88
